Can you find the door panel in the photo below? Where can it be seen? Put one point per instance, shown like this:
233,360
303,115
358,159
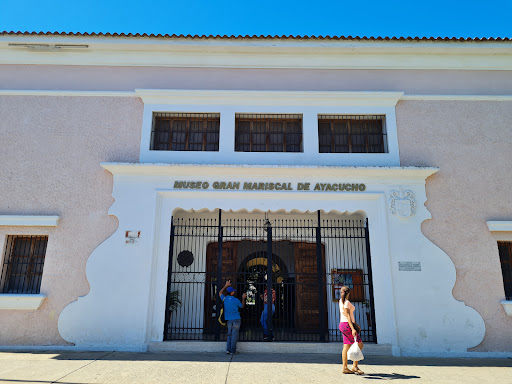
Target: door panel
306,277
229,264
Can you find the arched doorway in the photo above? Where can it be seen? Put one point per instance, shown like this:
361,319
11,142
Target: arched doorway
252,279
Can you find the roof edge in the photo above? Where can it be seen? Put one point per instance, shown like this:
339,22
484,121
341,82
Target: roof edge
260,37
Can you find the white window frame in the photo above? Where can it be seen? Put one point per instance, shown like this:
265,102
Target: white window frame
502,231
309,104
24,301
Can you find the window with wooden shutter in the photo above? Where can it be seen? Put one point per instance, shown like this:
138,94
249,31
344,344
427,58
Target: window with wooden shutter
185,132
268,133
351,134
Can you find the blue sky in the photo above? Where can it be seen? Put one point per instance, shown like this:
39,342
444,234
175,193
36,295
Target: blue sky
316,17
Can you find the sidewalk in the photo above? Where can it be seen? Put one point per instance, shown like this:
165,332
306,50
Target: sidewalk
191,368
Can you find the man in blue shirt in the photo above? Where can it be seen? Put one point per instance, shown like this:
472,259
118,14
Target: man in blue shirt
231,314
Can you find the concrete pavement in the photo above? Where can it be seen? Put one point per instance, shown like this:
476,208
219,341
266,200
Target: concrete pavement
41,367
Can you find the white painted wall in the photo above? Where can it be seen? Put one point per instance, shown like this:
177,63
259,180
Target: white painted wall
415,311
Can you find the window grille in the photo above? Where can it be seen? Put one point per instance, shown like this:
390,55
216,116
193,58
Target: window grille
351,134
268,133
23,264
185,132
505,250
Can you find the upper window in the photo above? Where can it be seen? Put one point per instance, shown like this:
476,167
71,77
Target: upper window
185,132
505,250
351,134
23,264
268,133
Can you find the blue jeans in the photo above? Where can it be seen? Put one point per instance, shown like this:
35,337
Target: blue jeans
233,329
263,319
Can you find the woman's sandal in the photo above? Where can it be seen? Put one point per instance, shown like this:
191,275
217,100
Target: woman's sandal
348,371
357,371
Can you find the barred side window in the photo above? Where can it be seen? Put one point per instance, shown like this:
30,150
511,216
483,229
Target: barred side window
185,132
505,250
22,268
352,134
268,133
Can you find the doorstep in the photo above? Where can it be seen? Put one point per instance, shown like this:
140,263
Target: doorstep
263,347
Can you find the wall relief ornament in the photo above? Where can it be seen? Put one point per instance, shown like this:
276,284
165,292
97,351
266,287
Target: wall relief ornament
402,203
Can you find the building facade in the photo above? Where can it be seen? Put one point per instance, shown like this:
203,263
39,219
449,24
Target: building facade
141,172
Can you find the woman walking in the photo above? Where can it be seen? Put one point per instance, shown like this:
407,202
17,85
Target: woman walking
349,329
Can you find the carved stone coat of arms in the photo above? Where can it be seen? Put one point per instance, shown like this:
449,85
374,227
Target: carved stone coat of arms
402,203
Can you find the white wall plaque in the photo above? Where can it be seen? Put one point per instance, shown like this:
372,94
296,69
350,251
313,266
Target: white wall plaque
409,266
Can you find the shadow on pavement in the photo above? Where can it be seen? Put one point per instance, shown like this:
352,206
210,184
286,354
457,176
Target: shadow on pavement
36,381
388,376
292,358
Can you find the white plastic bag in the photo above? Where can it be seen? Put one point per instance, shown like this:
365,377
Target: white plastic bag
354,353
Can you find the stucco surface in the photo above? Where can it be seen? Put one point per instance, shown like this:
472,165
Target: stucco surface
470,143
52,148
99,78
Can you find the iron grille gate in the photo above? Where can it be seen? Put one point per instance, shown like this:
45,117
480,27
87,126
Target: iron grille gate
304,261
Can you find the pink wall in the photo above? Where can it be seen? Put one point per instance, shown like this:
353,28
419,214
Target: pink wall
52,148
470,142
97,78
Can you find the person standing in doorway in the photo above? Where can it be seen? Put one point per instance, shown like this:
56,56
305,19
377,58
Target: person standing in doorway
263,319
232,315
349,329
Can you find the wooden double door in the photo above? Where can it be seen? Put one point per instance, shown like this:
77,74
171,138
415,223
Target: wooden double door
303,282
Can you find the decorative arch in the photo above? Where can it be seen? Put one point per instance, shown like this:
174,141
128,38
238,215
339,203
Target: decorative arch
279,267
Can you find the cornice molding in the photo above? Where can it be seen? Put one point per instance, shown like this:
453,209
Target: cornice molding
458,97
57,93
21,301
248,171
159,96
500,226
507,306
242,53
288,98
29,221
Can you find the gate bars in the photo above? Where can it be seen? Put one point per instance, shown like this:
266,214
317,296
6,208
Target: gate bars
298,263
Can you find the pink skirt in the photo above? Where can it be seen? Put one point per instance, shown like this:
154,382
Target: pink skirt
347,334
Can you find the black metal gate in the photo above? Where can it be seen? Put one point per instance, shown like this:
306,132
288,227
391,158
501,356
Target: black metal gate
304,260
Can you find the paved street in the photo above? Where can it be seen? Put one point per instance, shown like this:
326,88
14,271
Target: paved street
176,368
